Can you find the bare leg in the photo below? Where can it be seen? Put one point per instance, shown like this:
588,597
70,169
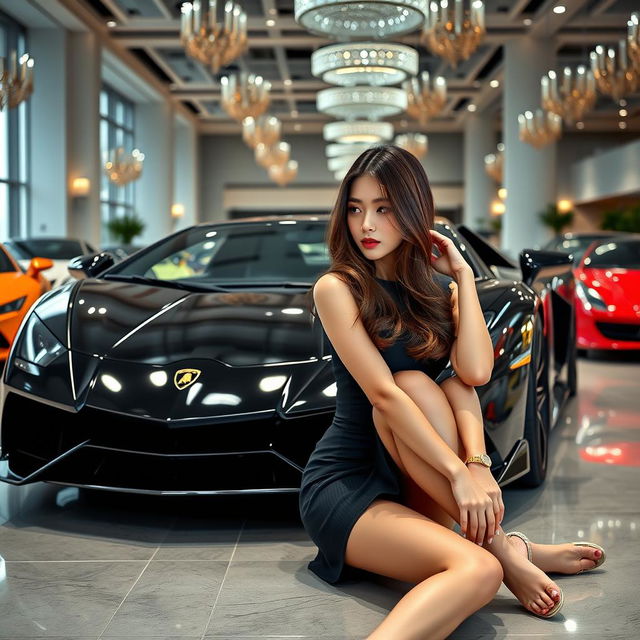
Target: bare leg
530,585
558,558
453,577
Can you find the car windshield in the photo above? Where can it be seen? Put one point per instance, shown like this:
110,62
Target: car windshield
278,251
6,266
54,248
576,246
624,255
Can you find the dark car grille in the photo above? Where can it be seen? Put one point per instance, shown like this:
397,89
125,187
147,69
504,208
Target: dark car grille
132,453
619,330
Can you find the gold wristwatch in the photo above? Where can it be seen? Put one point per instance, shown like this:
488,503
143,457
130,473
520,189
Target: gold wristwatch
482,458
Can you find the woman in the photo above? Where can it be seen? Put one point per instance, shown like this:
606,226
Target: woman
386,481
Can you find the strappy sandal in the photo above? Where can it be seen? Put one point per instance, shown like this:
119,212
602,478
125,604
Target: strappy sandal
527,543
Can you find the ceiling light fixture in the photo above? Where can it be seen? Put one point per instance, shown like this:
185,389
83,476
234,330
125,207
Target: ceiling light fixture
367,19
425,97
575,95
245,95
560,8
415,143
352,103
539,129
614,71
494,84
358,131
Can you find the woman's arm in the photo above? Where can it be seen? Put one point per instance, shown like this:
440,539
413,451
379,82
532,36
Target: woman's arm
472,351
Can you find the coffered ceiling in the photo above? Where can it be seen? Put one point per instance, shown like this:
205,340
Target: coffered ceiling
150,30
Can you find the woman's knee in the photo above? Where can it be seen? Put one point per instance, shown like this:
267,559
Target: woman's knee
485,573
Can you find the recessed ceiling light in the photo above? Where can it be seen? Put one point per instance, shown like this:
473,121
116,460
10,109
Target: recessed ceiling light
294,113
622,125
112,23
471,107
494,83
272,12
297,126
527,22
559,9
623,103
579,125
622,113
271,23
287,82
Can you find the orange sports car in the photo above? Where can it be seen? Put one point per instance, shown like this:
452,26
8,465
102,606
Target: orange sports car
18,291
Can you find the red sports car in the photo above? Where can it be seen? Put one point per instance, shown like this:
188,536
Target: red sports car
608,295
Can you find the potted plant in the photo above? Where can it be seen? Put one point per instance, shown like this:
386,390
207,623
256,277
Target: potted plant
555,219
125,228
622,220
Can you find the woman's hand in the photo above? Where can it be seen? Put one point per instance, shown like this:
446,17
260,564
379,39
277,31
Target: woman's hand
485,480
450,263
477,519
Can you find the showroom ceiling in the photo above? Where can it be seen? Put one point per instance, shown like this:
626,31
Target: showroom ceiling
150,30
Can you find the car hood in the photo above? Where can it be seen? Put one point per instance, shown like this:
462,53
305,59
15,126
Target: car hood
618,287
158,325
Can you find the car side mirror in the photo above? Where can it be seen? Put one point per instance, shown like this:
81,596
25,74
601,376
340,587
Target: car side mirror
37,265
546,264
91,265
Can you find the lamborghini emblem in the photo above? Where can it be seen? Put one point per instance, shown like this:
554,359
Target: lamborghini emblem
185,377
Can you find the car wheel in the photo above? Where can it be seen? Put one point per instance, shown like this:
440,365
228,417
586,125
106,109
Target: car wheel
537,414
572,364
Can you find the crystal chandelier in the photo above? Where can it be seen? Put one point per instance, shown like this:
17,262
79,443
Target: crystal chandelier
357,131
575,96
614,73
245,95
633,40
285,173
343,20
269,155
122,168
494,163
425,97
350,103
341,162
339,149
415,143
16,81
540,129
212,43
264,129
368,63
453,32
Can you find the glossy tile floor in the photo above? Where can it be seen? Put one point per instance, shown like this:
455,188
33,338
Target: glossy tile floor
83,566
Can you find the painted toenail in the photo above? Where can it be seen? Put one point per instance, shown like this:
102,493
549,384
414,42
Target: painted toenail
598,553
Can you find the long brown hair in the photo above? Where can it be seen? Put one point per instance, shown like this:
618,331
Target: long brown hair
427,319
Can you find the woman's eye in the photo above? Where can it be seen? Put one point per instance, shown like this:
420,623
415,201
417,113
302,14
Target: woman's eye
351,209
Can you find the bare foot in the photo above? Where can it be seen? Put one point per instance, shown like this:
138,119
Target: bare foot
558,558
527,582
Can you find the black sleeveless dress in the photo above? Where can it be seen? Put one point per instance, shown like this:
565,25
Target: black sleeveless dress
350,467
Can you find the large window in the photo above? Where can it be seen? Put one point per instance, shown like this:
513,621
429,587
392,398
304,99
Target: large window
116,130
14,186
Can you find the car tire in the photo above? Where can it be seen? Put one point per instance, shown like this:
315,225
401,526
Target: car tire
572,363
537,421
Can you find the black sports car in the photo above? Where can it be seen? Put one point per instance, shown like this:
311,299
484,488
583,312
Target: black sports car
194,366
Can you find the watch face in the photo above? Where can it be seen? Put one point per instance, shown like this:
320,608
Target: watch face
486,459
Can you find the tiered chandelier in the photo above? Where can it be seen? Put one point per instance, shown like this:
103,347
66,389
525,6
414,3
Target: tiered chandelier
351,103
358,131
452,31
614,72
16,81
425,97
264,129
539,129
573,98
212,43
123,168
347,20
245,95
415,143
494,163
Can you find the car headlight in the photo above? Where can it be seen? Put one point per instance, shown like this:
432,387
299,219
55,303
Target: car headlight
590,297
37,344
14,305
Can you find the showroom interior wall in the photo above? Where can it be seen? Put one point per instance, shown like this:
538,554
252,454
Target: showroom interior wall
72,61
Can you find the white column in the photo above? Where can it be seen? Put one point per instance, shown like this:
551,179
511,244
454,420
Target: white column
48,140
529,172
186,172
154,189
479,188
83,139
